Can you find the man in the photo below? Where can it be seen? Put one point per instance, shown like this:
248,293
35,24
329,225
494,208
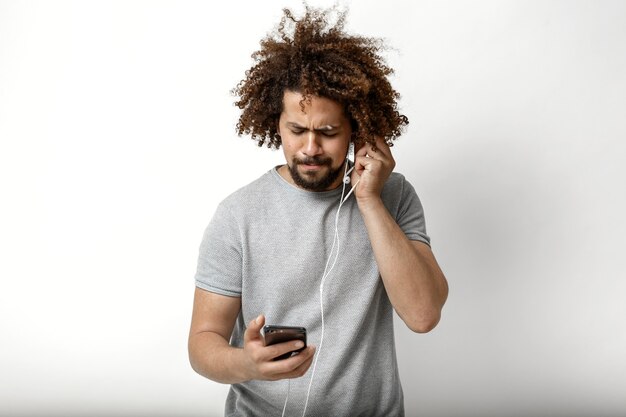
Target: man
294,248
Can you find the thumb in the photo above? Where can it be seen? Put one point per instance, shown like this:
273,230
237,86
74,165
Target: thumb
254,329
361,148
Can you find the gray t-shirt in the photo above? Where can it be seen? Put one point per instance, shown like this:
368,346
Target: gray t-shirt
268,243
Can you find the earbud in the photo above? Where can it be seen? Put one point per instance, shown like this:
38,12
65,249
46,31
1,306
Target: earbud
346,178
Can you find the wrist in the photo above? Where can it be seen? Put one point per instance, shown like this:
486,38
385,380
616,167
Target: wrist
239,365
370,203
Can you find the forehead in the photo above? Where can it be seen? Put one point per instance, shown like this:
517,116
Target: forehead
317,109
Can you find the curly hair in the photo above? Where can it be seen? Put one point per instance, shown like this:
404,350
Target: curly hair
315,57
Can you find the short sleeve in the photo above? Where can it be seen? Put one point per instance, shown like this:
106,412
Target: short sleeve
219,267
410,215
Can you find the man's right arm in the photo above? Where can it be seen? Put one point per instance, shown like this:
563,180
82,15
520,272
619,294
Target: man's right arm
211,355
212,323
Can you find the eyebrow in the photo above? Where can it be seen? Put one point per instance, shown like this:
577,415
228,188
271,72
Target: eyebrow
325,128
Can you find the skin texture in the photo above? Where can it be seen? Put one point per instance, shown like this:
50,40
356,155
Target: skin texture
321,132
412,278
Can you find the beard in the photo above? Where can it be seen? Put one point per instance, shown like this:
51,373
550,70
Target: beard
312,182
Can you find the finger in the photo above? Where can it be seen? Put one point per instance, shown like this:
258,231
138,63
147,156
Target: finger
361,149
304,366
294,366
358,147
372,165
364,164
359,167
361,156
382,151
381,145
367,150
279,349
253,332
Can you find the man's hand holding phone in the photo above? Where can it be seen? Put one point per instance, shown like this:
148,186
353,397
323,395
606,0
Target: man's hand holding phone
260,360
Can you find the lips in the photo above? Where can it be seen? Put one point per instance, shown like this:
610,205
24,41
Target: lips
310,167
313,163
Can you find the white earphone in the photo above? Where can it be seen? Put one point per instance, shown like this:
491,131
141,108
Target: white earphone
346,176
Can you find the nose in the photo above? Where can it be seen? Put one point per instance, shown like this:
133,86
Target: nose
312,145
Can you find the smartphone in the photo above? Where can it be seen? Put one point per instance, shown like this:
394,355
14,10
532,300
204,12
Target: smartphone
278,334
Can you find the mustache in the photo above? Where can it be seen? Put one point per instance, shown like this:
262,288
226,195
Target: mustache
314,160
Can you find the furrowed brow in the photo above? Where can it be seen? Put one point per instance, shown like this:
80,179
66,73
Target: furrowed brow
325,128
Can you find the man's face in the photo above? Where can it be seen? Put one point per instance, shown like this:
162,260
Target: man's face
315,142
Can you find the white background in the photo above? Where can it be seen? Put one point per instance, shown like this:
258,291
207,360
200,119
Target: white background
117,142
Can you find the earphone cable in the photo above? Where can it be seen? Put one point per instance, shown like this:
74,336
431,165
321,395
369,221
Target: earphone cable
324,276
287,398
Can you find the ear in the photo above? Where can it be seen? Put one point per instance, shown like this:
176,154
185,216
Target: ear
277,135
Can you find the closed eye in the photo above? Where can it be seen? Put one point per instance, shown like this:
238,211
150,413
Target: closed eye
325,134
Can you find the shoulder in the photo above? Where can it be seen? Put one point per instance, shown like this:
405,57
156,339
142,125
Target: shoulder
251,195
403,203
395,180
398,194
396,186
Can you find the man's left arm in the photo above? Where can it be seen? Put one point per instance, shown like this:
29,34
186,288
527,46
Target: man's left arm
412,277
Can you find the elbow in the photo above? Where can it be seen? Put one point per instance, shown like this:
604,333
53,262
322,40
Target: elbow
190,354
424,322
194,365
195,359
425,319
